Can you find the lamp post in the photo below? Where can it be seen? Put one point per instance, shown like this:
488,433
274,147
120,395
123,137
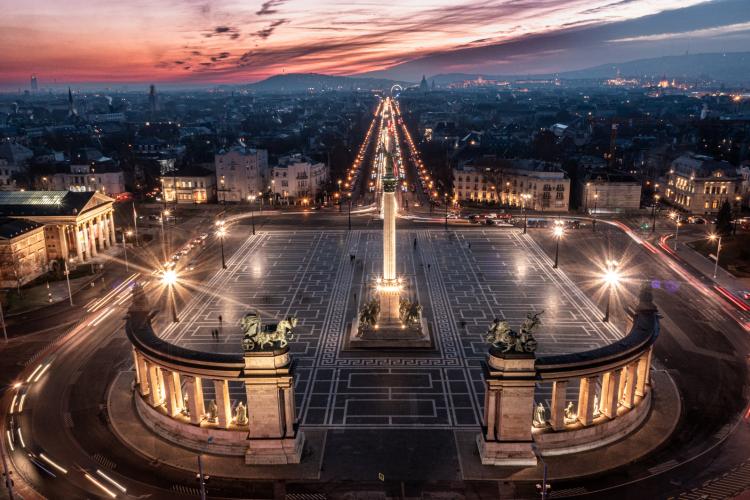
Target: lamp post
164,214
125,247
220,232
716,237
169,278
593,222
251,199
559,231
611,278
446,211
524,197
653,213
737,200
338,195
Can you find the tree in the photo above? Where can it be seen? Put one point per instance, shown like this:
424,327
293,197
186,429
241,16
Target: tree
724,219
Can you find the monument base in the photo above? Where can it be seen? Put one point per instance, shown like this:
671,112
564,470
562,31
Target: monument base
506,453
390,335
275,451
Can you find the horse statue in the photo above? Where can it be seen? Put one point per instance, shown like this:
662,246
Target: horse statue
500,335
368,315
258,335
526,341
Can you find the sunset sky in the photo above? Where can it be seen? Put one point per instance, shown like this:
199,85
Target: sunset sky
232,41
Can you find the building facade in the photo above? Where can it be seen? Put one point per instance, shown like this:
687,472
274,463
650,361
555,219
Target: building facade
505,182
700,185
105,179
297,177
77,226
194,185
241,172
611,192
23,253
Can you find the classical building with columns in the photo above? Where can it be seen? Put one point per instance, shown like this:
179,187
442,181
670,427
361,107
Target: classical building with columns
77,226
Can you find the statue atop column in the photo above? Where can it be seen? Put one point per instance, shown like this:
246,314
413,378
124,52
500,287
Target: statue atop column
213,411
241,414
505,339
258,336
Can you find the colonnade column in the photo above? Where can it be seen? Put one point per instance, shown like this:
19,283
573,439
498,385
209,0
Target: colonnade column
221,387
644,366
79,242
111,221
154,395
586,400
92,239
103,232
557,407
194,389
628,393
611,393
173,391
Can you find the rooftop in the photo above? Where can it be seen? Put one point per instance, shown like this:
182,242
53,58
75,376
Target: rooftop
11,228
27,203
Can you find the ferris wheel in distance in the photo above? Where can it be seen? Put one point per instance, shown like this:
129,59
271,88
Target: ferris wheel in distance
396,90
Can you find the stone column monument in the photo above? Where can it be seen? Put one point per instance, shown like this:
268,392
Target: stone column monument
509,395
273,436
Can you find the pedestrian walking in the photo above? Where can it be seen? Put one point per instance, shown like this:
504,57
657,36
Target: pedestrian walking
429,266
470,245
415,243
221,326
351,258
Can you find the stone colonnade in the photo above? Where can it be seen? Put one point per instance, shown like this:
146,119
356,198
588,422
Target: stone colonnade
613,396
89,237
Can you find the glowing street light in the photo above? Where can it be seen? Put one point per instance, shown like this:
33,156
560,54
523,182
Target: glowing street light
559,232
251,199
611,280
169,279
524,198
717,238
221,232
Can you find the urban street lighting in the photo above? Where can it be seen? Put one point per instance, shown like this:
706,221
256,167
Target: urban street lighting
717,238
221,232
349,195
169,278
653,213
593,222
611,280
524,197
164,214
559,232
251,199
676,217
125,247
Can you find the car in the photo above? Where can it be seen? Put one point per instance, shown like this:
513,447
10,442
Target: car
491,216
190,265
489,222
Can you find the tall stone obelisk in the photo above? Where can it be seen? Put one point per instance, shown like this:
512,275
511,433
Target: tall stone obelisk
389,223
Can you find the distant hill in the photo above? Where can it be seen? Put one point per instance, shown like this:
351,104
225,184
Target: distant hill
301,82
731,67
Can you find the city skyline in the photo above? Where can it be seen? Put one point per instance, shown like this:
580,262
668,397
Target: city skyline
200,43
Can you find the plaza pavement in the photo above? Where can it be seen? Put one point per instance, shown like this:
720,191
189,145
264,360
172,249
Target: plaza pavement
463,279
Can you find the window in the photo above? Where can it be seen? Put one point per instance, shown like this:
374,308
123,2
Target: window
559,195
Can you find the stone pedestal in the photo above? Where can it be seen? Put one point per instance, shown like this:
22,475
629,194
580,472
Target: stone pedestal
508,410
273,437
390,332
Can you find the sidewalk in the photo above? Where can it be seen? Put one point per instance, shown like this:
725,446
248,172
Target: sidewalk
706,268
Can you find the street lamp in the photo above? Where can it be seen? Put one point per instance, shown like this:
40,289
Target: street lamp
737,200
169,278
653,213
446,211
221,232
677,225
611,279
251,199
524,197
558,231
164,214
593,222
717,238
127,233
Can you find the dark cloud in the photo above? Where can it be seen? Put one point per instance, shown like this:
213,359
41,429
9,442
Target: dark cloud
268,30
229,31
268,7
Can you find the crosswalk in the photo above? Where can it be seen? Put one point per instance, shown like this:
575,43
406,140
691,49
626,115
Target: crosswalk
728,485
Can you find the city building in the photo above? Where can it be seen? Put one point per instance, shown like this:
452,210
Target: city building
7,175
190,185
296,177
23,255
493,180
610,191
699,184
104,178
77,226
241,172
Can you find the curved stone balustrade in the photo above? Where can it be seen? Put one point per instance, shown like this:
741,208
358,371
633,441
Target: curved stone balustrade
613,395
170,396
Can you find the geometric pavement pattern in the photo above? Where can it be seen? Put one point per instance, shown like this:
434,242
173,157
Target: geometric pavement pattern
463,280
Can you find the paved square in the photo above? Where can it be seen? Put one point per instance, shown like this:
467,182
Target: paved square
463,279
